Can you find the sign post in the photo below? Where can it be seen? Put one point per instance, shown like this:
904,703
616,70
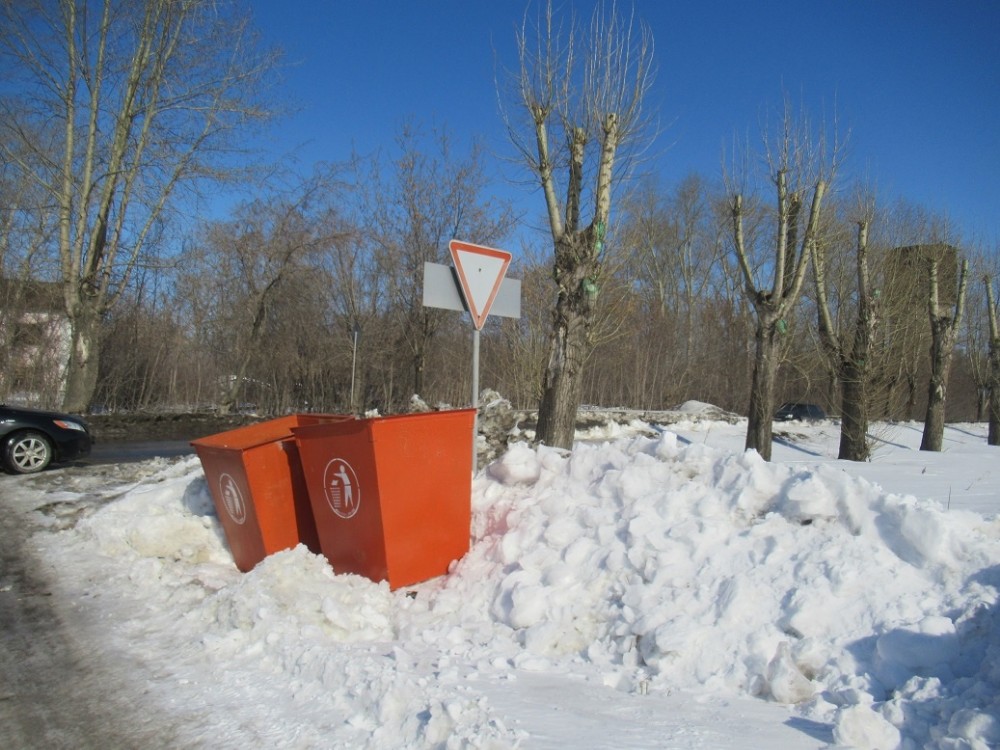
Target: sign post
476,283
480,272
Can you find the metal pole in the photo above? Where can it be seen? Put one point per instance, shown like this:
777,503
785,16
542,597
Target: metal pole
475,394
354,363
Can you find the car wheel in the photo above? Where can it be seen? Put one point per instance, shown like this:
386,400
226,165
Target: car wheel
27,452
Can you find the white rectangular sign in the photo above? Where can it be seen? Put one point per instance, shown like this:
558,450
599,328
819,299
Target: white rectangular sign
441,289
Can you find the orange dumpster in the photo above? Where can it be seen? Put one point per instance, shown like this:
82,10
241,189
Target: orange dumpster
255,478
391,496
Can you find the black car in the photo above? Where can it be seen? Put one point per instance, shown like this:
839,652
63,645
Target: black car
799,412
31,439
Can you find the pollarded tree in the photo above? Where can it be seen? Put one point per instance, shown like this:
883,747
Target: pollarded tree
946,321
111,108
774,304
582,93
909,233
801,170
851,357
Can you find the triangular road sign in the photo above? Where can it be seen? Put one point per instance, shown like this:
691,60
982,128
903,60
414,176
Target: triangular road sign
480,273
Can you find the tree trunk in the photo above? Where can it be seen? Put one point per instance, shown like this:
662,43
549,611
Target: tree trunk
933,438
944,330
853,412
563,384
994,374
851,369
761,412
84,360
570,344
982,402
994,409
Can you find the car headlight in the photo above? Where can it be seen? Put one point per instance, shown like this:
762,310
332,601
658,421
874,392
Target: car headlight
67,425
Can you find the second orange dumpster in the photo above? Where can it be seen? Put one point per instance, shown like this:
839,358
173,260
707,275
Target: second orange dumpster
391,496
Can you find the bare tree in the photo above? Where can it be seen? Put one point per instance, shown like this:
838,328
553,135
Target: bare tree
945,324
583,95
801,170
111,108
355,307
675,280
994,373
909,231
852,358
677,254
143,343
774,305
260,268
430,196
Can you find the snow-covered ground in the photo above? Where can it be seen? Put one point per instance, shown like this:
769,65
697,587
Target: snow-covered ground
657,587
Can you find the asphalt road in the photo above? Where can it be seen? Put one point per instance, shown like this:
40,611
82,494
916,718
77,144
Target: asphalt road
52,695
129,452
55,692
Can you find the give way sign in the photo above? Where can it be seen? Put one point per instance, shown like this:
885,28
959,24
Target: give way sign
480,273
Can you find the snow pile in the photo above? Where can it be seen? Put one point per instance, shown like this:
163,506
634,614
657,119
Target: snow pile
646,566
693,568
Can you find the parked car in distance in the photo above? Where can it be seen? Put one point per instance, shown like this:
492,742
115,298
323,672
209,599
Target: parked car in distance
31,439
791,412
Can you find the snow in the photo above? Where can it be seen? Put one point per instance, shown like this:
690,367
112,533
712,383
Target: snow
655,587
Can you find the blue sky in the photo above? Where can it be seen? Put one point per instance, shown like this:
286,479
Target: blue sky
916,83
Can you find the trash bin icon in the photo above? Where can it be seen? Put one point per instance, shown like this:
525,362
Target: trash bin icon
391,496
255,478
